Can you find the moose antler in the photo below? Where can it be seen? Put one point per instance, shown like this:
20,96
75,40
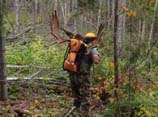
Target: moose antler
100,31
99,35
68,33
55,28
59,39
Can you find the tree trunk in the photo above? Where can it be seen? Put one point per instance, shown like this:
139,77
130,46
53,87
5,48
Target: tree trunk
63,12
112,13
3,80
17,15
139,30
121,28
55,4
75,9
71,5
108,14
116,70
99,12
143,31
35,8
151,34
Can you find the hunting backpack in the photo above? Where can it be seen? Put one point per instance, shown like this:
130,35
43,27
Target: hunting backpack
70,55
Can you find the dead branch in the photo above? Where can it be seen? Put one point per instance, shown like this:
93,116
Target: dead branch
26,30
54,25
52,82
27,66
35,74
70,111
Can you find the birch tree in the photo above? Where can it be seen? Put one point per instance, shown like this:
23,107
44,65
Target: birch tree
17,15
121,26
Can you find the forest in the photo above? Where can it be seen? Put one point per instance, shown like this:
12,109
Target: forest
32,80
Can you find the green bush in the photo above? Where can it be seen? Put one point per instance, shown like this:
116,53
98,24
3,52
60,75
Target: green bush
35,53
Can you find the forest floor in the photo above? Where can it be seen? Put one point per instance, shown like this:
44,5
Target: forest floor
42,98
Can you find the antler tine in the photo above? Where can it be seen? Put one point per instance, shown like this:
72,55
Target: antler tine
55,27
101,27
55,14
100,32
68,33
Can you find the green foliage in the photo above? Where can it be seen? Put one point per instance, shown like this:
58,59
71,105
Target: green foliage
25,18
147,105
105,68
35,53
38,53
9,22
140,106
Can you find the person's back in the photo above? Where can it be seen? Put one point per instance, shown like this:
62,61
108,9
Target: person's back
80,83
84,61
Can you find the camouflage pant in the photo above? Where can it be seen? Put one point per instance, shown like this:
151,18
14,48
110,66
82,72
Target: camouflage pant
80,90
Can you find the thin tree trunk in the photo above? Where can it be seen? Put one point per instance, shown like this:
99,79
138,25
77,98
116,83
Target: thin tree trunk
151,33
139,30
108,14
115,44
17,15
55,4
35,7
71,6
129,91
75,9
41,10
116,70
3,79
63,12
121,27
153,21
112,13
143,30
75,26
99,12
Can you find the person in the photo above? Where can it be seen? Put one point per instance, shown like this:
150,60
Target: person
79,80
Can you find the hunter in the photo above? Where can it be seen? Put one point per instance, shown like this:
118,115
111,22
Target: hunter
79,80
